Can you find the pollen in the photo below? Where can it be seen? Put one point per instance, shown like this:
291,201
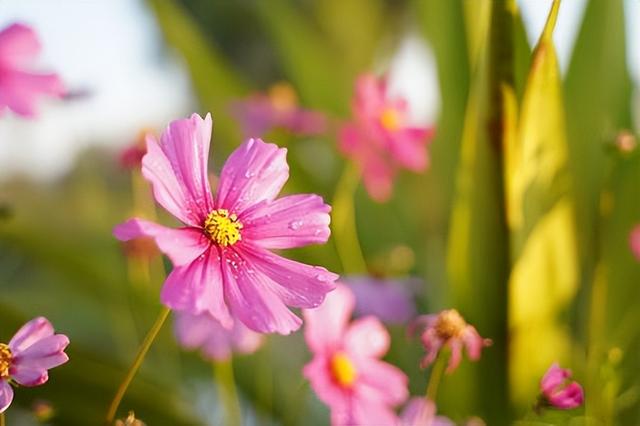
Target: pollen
5,360
390,119
223,228
450,324
343,370
283,97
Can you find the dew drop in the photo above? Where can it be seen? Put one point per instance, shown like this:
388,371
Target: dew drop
295,225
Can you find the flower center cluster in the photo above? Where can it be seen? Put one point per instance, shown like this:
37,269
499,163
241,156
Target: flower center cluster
5,360
283,97
390,119
449,324
223,228
342,369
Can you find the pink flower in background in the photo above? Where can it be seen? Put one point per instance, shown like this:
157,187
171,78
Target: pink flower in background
262,113
215,342
130,157
634,241
558,392
32,351
388,299
422,412
448,328
19,89
346,372
380,138
222,263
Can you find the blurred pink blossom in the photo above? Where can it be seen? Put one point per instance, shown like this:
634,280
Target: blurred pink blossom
261,113
634,241
20,89
130,157
422,412
380,138
558,392
448,328
346,372
222,263
32,351
215,342
391,300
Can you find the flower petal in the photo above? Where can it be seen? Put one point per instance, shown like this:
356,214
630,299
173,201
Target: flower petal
325,325
323,384
382,382
6,395
21,90
203,331
298,284
367,337
18,44
251,300
181,245
292,221
30,333
198,287
409,147
254,172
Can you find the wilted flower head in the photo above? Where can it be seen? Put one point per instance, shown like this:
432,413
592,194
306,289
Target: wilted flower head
422,412
261,113
222,263
130,157
346,372
558,392
391,300
215,342
634,241
130,421
381,139
449,329
32,351
19,89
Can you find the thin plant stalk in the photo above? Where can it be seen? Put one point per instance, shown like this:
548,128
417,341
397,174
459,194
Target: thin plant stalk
223,374
1,419
345,232
137,362
435,378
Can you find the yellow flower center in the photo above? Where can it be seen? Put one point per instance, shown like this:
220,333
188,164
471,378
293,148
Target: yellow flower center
390,119
283,97
223,228
5,360
343,370
450,324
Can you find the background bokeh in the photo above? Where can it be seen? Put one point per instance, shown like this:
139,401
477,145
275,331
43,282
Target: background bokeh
139,64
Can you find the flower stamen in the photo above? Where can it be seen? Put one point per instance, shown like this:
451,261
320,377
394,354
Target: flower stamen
390,119
449,324
5,360
223,228
342,369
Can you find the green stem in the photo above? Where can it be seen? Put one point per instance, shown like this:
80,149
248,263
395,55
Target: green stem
345,232
1,419
142,352
223,373
551,20
435,378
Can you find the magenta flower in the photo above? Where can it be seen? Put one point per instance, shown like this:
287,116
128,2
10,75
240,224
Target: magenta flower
216,342
222,263
19,89
634,241
380,138
449,329
422,412
558,392
388,299
261,113
32,351
346,372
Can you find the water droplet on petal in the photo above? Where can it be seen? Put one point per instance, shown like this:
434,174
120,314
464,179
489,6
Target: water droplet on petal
295,225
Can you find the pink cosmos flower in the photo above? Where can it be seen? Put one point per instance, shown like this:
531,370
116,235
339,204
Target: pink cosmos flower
130,157
558,392
422,412
448,328
634,241
216,342
391,300
222,263
346,372
380,138
19,89
279,108
32,351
